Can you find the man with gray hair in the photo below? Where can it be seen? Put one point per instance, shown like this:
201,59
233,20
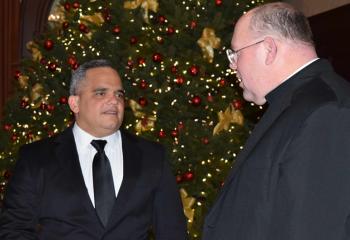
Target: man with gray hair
291,180
93,181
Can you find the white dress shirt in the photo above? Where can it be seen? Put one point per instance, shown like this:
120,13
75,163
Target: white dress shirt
86,153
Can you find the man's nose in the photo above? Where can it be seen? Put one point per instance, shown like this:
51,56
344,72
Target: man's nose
113,99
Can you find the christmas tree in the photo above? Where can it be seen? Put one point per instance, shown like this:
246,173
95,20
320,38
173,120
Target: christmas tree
179,89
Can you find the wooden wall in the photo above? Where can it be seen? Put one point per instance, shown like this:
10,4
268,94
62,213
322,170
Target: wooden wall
9,46
331,31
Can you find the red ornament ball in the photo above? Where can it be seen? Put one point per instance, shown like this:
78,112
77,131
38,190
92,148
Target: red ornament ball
174,133
170,31
63,100
173,69
75,66
48,44
193,70
180,80
205,140
116,30
66,6
107,17
210,98
7,174
130,64
76,5
14,137
50,108
179,179
218,2
83,28
29,135
237,104
2,190
143,84
180,126
65,25
71,60
157,57
17,74
52,66
133,40
160,40
24,103
188,176
43,106
141,61
196,101
143,101
7,127
43,61
193,24
161,19
222,82
162,134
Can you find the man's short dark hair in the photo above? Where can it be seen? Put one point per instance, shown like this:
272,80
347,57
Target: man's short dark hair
80,73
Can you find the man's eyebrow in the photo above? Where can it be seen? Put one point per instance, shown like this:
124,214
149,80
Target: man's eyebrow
121,91
100,89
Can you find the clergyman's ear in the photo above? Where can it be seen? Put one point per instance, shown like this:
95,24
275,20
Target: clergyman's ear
73,102
271,49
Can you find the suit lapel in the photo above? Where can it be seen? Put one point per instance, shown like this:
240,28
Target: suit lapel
131,171
260,130
67,155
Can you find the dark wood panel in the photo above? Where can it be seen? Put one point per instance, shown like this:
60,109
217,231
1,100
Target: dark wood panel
332,37
9,46
34,14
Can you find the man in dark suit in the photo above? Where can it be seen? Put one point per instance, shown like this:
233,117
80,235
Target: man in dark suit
291,180
93,181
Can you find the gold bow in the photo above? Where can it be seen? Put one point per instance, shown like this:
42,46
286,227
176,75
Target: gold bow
23,81
226,118
208,42
97,19
145,4
36,93
187,203
144,123
33,48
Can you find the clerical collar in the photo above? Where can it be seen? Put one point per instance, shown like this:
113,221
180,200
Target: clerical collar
281,91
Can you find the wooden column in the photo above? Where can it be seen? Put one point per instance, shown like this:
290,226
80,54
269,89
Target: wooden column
9,47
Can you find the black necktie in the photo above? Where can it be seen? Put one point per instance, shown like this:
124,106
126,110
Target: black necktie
103,182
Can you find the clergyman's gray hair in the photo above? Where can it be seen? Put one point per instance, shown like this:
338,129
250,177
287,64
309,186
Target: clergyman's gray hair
80,73
283,20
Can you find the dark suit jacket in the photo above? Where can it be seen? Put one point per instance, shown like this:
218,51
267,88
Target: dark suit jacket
47,198
292,179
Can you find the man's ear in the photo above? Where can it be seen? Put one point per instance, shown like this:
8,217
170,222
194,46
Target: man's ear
271,49
73,102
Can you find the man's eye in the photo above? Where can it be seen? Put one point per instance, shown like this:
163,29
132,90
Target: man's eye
119,95
100,93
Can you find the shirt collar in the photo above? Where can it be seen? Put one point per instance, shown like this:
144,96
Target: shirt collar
280,91
84,138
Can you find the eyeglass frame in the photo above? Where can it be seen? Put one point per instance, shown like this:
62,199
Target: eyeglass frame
232,55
